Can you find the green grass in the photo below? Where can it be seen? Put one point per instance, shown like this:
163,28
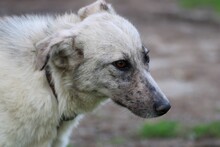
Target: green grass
170,129
209,130
213,4
162,129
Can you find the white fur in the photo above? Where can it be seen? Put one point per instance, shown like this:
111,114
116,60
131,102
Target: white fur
29,112
30,115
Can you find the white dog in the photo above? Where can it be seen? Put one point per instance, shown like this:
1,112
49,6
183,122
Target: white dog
54,68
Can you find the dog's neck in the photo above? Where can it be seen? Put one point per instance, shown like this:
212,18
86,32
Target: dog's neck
52,86
70,101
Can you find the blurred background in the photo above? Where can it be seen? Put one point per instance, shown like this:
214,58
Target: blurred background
184,41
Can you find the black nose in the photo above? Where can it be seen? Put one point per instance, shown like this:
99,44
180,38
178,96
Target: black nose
161,108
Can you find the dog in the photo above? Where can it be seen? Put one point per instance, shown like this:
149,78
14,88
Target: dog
53,69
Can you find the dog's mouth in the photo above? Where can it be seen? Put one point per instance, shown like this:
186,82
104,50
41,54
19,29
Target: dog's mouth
146,112
138,113
120,103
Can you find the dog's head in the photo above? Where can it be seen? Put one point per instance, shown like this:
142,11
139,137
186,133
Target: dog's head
103,55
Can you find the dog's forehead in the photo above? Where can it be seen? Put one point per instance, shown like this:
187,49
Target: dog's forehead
112,34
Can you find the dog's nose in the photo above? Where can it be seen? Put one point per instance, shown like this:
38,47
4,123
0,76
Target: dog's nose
161,108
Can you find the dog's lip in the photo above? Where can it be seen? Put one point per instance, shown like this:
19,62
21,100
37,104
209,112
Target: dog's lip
134,112
120,103
141,112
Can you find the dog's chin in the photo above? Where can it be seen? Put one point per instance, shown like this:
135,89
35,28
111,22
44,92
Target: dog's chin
143,113
120,104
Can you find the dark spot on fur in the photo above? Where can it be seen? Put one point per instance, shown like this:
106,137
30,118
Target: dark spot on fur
127,98
104,6
139,92
130,93
129,78
152,88
80,52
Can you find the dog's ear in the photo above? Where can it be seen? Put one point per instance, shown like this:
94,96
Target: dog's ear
96,7
66,55
59,47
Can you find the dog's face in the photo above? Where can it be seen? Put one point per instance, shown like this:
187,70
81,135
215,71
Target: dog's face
105,57
116,64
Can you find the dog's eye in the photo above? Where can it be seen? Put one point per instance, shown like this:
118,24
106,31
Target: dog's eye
121,64
147,59
145,54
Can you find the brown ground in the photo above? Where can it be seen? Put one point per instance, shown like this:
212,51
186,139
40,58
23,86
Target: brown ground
185,61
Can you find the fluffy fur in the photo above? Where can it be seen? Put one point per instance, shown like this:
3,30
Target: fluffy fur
82,52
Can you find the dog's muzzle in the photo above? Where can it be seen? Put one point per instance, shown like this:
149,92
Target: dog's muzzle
145,101
161,103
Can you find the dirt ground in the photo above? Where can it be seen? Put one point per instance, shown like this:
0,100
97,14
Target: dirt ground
185,61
